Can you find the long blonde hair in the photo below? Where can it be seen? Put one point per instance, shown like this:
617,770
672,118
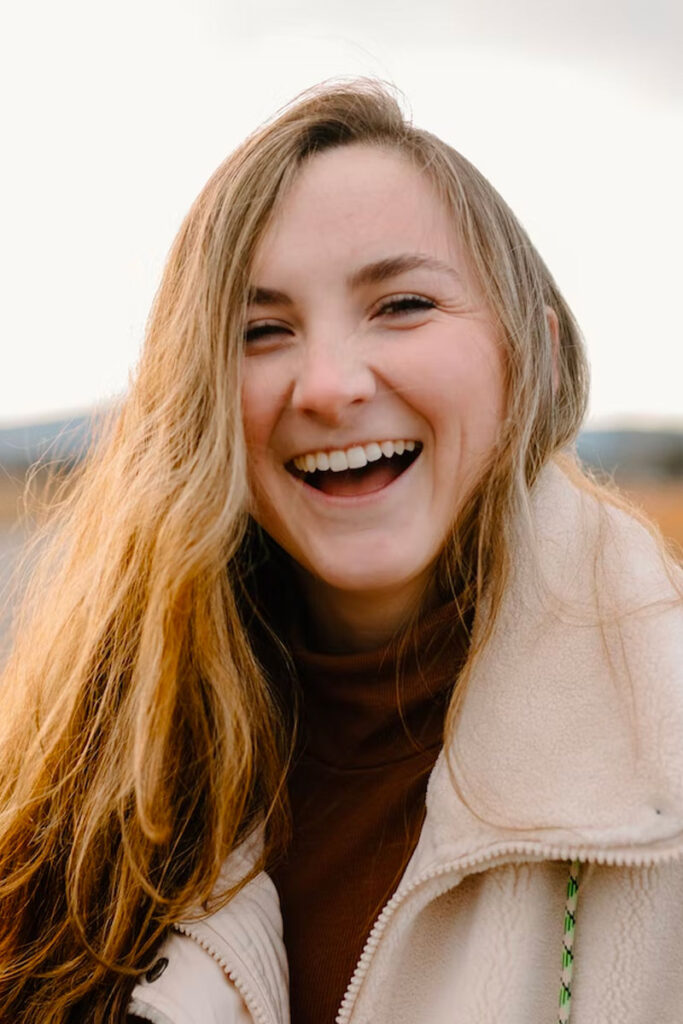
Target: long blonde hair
140,737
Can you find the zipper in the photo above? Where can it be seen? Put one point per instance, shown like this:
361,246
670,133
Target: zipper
519,852
253,1003
529,853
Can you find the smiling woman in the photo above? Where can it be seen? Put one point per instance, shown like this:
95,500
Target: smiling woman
335,680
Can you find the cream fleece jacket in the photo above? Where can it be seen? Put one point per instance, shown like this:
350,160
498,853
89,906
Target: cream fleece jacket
569,746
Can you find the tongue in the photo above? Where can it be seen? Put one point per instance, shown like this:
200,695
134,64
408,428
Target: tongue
351,482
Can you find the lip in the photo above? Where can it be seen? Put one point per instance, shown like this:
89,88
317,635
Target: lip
356,500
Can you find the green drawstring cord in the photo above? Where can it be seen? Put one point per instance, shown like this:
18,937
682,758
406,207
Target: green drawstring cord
568,943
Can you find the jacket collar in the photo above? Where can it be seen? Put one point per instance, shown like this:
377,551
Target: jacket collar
570,736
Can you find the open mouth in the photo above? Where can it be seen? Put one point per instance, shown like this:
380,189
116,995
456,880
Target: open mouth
385,466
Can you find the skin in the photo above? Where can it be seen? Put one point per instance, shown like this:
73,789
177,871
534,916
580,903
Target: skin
339,365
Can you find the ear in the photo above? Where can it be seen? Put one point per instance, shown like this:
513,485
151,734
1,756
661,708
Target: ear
554,329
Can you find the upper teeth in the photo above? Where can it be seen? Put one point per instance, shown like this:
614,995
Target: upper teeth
355,457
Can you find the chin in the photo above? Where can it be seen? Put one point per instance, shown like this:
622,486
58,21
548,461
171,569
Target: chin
367,578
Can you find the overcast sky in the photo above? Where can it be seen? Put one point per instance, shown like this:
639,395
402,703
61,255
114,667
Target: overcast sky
116,115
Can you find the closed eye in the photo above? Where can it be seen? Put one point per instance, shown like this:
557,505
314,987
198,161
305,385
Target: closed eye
263,331
402,304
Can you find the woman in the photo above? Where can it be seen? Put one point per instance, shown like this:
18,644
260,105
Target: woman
333,631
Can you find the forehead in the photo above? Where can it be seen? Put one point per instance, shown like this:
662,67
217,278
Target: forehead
356,203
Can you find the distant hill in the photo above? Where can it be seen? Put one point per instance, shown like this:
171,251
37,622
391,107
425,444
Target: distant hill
642,454
63,439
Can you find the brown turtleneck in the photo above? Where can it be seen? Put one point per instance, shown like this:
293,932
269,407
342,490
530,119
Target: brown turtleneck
357,793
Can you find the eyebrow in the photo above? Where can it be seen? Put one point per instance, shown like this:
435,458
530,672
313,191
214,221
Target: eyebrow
371,273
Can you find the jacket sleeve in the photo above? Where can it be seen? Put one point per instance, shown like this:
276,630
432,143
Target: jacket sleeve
209,998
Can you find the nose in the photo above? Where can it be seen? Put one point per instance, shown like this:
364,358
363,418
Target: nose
331,377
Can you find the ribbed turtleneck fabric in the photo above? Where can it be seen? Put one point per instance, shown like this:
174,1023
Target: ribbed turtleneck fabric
372,728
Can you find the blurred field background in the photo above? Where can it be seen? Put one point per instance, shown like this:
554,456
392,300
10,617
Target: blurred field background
662,502
646,465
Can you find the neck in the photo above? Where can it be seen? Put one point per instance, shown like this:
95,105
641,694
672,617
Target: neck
347,622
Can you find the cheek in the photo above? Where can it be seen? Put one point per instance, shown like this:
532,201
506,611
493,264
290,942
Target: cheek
257,430
481,412
254,409
481,392
458,385
266,382
261,407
